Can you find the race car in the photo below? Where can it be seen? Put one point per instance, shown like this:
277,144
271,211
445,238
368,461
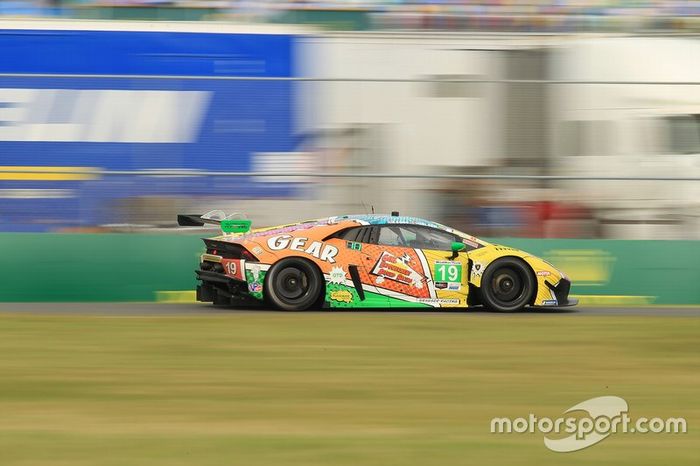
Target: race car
369,261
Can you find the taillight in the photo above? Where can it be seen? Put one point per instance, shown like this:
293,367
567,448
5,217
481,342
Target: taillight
228,250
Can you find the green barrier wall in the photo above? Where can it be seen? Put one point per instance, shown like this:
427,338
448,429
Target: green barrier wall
103,267
129,267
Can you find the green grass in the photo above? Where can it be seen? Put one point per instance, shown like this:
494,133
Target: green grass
341,389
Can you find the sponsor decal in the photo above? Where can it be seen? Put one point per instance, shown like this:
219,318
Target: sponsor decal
354,245
317,249
255,287
438,301
255,270
344,296
549,302
448,286
543,273
394,268
471,243
257,250
255,276
337,275
477,269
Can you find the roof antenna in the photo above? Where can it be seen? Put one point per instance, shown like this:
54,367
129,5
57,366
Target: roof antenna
372,210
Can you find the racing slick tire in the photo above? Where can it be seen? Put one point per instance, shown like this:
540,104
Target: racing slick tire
293,284
508,285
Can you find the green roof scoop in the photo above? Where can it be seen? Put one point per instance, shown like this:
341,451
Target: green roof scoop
235,225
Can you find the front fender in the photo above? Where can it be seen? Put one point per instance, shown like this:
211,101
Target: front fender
544,271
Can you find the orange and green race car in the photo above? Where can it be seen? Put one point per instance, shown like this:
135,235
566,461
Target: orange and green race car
369,261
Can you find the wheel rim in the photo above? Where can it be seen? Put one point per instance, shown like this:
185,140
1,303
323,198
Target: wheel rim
507,285
292,284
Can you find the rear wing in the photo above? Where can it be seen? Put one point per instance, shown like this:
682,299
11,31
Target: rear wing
194,220
215,217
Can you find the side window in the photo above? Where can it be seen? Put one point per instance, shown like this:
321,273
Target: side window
349,234
415,236
391,235
430,238
366,234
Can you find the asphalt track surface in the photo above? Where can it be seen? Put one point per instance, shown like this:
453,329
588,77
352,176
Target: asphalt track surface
167,309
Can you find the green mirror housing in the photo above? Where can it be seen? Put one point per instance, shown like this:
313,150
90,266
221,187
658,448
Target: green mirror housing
456,247
235,226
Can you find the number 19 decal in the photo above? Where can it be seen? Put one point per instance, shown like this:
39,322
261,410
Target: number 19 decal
447,271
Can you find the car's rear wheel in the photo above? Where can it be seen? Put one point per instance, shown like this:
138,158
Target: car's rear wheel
508,285
293,284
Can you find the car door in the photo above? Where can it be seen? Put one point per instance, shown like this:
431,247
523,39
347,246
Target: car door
417,267
349,283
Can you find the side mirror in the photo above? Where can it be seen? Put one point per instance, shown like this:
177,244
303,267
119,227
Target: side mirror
456,247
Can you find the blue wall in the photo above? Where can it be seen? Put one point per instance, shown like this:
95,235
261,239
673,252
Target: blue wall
231,119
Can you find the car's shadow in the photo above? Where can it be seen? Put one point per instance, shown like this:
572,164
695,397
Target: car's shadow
468,311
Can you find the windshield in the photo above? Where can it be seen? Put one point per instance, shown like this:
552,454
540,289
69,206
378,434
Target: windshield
467,239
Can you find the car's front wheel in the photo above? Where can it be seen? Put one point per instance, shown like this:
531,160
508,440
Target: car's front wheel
508,285
293,284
